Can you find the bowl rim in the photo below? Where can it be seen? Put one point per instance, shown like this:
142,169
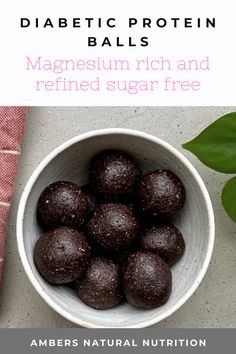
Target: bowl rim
33,178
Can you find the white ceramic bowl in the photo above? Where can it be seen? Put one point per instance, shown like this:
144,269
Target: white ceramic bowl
70,161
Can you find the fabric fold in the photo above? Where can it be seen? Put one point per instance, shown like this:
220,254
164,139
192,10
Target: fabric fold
12,120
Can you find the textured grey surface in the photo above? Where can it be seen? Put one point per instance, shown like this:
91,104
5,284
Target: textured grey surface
214,303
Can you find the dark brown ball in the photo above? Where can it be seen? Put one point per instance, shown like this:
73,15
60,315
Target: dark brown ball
61,255
164,240
62,203
92,202
113,227
113,175
146,280
100,287
160,194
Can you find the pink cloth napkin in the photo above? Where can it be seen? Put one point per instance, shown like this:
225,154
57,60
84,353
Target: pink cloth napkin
11,133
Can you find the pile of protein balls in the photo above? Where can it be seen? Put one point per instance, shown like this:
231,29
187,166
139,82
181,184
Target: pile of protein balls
111,240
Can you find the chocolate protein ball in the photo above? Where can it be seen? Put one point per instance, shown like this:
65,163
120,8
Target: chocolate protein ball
160,193
164,240
92,202
113,175
62,203
61,255
100,287
146,280
113,227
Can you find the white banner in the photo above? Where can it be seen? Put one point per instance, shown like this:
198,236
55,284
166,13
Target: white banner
117,53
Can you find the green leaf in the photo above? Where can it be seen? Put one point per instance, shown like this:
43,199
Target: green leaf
228,198
216,145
